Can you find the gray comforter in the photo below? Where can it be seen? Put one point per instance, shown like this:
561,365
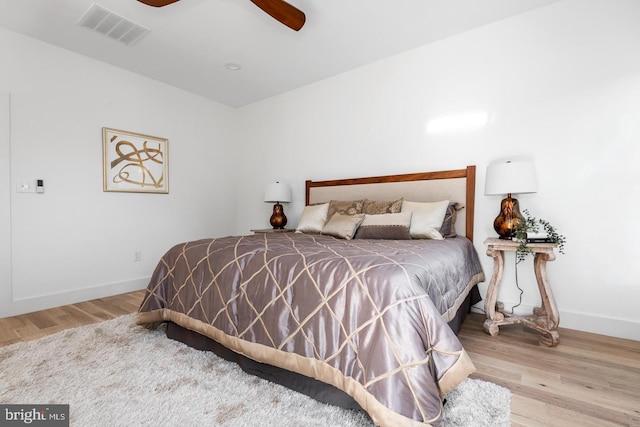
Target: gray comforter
367,316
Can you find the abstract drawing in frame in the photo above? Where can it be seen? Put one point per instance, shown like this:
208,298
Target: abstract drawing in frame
134,162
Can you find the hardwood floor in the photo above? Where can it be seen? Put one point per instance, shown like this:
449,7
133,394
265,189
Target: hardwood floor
587,380
31,326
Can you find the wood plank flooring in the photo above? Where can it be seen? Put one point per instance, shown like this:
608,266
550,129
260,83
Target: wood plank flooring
587,380
35,325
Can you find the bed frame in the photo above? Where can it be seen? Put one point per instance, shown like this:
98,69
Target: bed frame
453,185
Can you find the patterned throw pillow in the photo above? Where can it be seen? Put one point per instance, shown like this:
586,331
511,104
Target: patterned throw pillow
351,207
373,207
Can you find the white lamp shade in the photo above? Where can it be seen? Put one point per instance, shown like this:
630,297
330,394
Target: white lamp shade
277,192
510,178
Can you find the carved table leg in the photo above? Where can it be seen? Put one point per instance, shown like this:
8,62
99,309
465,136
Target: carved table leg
493,316
550,338
549,310
491,327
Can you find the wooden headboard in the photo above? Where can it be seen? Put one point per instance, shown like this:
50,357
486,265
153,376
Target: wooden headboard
453,185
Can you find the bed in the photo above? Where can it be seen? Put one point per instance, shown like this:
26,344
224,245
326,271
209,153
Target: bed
361,317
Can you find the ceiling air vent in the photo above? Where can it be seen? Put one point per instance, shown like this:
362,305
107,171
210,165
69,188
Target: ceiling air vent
102,20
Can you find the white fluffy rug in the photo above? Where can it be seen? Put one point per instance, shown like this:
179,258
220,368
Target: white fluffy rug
116,373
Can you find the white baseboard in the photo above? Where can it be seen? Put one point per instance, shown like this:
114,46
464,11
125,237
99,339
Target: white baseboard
43,302
620,328
586,322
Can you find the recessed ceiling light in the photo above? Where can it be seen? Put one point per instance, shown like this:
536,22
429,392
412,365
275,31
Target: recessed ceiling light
232,66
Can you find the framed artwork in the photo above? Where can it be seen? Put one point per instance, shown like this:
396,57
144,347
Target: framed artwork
134,162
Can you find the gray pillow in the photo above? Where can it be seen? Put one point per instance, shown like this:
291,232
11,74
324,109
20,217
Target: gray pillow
388,226
448,228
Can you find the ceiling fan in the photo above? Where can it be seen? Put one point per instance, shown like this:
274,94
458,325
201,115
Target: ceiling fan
280,10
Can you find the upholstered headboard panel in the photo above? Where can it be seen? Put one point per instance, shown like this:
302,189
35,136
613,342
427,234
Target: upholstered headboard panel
453,185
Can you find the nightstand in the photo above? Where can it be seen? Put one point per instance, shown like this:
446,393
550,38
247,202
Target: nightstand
273,230
544,319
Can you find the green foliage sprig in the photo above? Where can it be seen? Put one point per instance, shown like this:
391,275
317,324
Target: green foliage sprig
532,225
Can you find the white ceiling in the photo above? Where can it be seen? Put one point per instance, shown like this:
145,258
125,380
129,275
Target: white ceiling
191,41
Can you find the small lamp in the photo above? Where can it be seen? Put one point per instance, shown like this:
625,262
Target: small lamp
277,193
509,178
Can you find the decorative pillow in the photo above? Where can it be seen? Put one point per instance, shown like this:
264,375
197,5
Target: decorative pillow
313,218
351,207
342,226
394,226
372,207
426,218
448,228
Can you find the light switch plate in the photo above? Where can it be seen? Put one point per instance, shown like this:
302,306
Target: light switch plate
26,186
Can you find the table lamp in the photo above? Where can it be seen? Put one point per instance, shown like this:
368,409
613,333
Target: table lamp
276,193
509,178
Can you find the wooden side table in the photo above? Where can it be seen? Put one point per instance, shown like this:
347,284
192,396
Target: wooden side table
544,319
273,230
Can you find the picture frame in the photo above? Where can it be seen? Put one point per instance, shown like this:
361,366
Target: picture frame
134,162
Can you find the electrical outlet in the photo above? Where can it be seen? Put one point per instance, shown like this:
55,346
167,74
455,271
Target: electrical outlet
137,256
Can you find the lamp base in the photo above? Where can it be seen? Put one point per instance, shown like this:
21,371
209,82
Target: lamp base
278,218
508,218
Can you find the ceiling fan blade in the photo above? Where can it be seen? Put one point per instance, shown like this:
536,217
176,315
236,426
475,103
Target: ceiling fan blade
282,11
157,3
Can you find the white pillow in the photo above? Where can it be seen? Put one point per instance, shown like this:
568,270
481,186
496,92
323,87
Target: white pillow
313,218
342,226
426,218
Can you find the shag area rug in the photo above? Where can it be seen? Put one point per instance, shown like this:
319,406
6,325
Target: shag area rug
117,373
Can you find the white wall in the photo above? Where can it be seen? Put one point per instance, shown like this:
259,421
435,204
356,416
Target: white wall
76,242
5,185
561,86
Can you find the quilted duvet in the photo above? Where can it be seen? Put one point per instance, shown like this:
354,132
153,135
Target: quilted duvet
367,316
